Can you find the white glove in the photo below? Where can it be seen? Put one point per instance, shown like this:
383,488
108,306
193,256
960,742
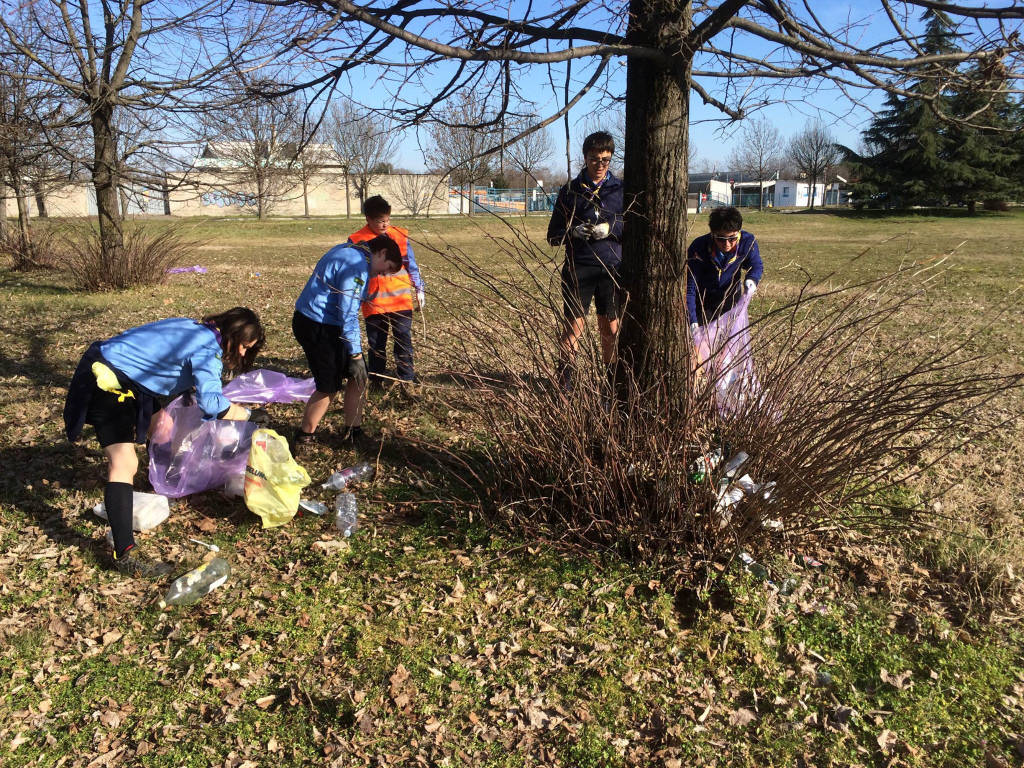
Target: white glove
583,231
421,299
600,231
693,329
751,287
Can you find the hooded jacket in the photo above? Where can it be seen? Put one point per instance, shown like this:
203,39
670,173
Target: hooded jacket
580,202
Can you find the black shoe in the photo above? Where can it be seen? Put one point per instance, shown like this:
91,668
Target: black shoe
138,566
357,439
304,443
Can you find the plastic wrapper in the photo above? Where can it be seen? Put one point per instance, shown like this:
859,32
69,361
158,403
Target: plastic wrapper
273,479
263,386
723,354
188,455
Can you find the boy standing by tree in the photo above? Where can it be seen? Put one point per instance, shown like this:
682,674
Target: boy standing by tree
587,220
326,325
390,297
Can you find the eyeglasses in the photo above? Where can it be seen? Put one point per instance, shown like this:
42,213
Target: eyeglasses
727,238
599,160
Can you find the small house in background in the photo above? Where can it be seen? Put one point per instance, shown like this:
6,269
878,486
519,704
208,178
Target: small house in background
713,190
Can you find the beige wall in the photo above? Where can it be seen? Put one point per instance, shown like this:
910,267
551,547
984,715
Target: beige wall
213,194
210,194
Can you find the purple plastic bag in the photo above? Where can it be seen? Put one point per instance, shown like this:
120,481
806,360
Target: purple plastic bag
263,386
181,270
188,455
723,353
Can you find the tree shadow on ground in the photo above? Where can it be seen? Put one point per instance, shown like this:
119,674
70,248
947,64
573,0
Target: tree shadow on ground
40,336
37,484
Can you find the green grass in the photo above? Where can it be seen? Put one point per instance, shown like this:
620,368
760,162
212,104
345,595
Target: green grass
515,654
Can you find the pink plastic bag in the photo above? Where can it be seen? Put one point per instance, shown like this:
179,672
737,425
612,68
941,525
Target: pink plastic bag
723,353
188,455
263,386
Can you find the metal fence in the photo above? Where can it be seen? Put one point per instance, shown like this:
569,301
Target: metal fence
517,201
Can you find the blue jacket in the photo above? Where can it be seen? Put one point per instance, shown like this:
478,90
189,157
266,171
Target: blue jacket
169,357
581,201
335,290
714,280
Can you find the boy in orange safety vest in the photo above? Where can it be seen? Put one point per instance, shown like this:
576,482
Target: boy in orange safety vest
390,298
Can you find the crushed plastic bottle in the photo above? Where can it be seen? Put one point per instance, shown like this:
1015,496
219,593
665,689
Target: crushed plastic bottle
313,507
751,566
362,471
345,513
148,510
197,583
734,463
704,465
235,486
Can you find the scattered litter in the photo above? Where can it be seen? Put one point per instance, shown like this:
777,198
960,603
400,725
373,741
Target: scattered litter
806,561
345,513
704,465
181,270
211,547
754,568
362,471
197,583
314,507
148,510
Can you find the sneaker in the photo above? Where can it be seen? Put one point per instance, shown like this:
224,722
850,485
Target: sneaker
138,566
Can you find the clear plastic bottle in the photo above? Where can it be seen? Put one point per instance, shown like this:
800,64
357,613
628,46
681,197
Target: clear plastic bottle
345,513
148,510
362,471
314,507
197,583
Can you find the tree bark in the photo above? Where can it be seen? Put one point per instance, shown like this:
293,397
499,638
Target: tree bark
3,211
37,189
104,179
24,235
652,338
305,197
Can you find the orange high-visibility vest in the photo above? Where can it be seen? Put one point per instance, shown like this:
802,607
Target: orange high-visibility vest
387,293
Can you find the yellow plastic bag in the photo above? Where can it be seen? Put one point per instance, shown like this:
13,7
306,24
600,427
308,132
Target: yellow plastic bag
273,480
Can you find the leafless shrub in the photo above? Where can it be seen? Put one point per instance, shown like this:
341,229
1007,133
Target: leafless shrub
842,418
40,248
148,254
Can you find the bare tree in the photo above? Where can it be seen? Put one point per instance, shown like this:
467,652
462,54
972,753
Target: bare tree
759,153
311,159
137,55
532,151
813,152
460,137
255,152
415,191
672,48
364,141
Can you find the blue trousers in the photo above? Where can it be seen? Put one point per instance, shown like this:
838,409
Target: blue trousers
400,324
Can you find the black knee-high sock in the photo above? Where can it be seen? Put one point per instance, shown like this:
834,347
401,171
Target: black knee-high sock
117,498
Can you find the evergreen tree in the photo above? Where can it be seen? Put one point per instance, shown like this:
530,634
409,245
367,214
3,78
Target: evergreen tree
985,163
906,161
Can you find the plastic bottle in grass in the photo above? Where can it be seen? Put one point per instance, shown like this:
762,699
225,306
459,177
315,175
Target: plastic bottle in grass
197,583
345,513
361,471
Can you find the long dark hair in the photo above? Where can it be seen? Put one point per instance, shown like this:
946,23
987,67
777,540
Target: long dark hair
238,325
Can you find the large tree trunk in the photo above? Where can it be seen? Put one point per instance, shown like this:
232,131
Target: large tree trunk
104,180
653,336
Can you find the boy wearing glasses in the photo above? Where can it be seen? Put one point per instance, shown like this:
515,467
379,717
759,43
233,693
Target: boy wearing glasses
587,220
720,267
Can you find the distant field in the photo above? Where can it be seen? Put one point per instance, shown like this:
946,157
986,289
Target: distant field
433,639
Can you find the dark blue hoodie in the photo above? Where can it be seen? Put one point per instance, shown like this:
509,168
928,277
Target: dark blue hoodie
714,280
579,202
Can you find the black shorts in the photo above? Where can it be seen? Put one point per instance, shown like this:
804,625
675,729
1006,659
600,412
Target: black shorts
114,417
327,352
583,282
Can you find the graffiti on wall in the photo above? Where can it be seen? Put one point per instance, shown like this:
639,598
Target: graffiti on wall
227,199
